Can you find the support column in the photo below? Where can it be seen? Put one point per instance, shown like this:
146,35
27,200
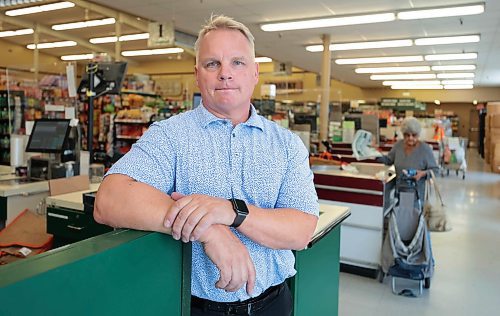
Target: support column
118,33
325,90
36,53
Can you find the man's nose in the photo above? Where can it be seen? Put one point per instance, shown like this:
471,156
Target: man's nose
225,73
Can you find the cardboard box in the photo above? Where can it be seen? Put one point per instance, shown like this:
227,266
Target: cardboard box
495,121
493,108
495,161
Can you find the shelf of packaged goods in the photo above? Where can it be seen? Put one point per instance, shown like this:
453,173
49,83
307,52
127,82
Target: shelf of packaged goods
145,94
130,121
127,137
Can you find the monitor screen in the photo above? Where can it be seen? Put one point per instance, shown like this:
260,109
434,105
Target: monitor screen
48,136
108,79
196,99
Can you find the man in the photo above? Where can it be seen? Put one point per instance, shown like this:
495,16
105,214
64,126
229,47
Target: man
235,184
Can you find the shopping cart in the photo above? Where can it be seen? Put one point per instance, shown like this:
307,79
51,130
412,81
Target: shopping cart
453,155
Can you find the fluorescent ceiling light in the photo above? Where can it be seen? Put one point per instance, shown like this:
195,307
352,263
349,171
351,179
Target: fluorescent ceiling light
450,82
378,60
123,38
447,40
52,45
147,52
392,69
16,32
403,77
453,67
362,45
458,86
40,8
456,75
441,12
436,57
263,60
328,22
83,24
77,57
417,87
411,83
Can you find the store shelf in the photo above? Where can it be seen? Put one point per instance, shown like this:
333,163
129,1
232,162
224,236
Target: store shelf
127,137
130,121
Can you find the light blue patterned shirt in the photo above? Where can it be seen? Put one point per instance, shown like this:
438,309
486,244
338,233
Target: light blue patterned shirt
257,161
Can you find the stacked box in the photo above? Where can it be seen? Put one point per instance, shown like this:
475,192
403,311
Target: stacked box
493,139
495,162
493,108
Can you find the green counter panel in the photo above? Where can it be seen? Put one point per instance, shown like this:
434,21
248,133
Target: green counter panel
119,273
315,287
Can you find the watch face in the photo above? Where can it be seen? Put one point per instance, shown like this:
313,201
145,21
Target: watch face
241,207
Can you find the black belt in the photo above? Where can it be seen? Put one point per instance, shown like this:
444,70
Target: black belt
240,307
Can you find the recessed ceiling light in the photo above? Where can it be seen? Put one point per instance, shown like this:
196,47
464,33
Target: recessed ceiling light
410,83
436,57
392,69
378,60
453,67
453,75
417,87
16,32
77,57
458,86
328,22
83,24
123,38
147,52
469,9
447,40
51,45
362,45
40,8
263,60
403,77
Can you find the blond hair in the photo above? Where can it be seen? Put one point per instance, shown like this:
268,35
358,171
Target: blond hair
217,22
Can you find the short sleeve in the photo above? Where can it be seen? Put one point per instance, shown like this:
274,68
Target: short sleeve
297,189
151,160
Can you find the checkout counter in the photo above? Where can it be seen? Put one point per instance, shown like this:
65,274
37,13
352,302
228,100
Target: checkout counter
129,272
369,194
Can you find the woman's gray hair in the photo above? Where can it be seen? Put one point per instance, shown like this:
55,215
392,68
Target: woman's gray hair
411,125
223,22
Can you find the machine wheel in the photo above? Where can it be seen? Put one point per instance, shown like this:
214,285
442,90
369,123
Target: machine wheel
380,276
447,172
427,283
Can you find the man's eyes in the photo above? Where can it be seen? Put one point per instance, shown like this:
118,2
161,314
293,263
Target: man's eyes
212,64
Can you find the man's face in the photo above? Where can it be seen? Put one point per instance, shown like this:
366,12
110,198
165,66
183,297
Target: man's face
226,72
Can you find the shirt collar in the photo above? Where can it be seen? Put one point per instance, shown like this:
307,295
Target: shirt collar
206,118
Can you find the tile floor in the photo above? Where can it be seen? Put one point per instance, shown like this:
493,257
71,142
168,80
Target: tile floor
467,274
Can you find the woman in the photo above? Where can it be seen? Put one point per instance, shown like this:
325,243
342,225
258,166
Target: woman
411,153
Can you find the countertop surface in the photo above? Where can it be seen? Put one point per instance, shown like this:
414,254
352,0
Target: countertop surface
330,216
73,200
11,185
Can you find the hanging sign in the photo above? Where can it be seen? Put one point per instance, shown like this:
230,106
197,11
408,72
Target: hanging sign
161,34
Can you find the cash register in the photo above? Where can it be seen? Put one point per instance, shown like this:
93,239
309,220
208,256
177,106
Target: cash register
48,137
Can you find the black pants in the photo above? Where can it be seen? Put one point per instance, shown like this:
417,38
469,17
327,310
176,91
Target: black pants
281,305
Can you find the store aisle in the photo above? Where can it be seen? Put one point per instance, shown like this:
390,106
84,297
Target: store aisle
467,277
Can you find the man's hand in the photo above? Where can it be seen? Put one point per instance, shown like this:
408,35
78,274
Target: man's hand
191,215
420,174
231,257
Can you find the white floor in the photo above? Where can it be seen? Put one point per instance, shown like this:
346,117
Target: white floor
467,275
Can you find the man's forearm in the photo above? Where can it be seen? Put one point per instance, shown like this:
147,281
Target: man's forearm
280,228
125,203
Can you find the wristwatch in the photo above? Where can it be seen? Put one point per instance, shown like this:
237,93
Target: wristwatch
241,210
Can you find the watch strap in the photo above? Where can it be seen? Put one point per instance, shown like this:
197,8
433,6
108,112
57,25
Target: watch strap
241,210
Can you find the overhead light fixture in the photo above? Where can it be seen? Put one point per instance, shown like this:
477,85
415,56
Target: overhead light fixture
51,45
437,57
77,57
123,38
83,24
450,82
437,102
417,87
392,69
16,32
40,8
411,83
453,67
458,86
263,60
148,52
378,60
403,77
362,45
328,22
469,9
454,75
447,40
